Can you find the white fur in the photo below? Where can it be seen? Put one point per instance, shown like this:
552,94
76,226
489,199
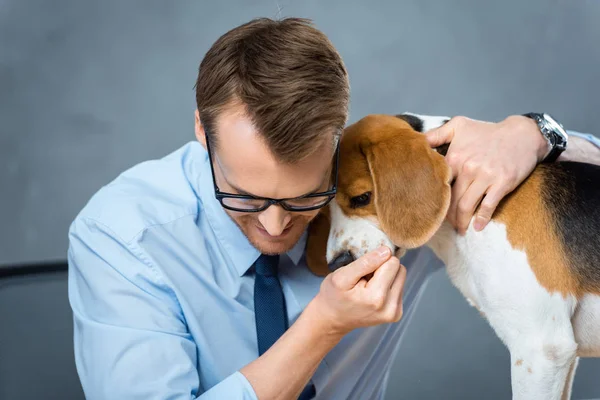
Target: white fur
429,122
534,324
544,332
359,235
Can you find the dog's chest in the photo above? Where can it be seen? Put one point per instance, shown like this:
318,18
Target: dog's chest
476,261
486,268
498,280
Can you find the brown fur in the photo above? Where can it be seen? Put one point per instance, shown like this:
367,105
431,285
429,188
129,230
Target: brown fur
379,154
530,227
571,195
316,244
383,154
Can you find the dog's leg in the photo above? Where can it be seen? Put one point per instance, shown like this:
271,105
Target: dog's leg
533,321
537,329
569,383
541,367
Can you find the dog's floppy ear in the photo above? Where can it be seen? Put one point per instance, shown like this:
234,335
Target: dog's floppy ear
316,244
421,123
411,186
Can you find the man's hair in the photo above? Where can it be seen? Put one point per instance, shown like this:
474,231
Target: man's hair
286,74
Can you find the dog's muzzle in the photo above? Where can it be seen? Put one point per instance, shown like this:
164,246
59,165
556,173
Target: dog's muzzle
341,260
346,258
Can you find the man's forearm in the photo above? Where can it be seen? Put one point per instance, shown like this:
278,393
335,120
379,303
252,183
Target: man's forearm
284,370
581,147
582,150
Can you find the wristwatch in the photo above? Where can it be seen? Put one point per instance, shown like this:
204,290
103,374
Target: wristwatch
554,133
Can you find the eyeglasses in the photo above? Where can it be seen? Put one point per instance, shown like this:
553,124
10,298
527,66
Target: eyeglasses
246,203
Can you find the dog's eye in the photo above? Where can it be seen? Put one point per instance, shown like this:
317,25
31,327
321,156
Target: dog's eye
360,201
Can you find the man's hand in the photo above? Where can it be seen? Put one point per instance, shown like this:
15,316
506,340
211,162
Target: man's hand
488,161
347,300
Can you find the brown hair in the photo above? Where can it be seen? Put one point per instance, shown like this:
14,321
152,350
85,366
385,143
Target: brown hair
288,76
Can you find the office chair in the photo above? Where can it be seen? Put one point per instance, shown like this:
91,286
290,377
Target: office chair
36,334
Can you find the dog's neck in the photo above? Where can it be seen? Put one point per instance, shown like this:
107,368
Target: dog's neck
442,242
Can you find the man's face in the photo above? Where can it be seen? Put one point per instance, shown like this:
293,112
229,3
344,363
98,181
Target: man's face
243,164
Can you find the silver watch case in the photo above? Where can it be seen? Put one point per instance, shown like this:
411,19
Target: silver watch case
553,131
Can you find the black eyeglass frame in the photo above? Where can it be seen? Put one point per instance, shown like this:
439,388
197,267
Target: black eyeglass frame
269,201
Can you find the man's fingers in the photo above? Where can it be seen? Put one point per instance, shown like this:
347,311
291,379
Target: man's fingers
439,136
398,286
394,305
488,206
347,277
459,188
469,202
383,278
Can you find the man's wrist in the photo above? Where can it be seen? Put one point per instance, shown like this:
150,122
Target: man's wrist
318,323
530,128
553,132
304,344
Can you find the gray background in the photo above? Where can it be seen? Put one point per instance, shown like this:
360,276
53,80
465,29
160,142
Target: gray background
88,89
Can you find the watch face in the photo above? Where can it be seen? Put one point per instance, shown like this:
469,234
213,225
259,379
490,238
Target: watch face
557,130
553,124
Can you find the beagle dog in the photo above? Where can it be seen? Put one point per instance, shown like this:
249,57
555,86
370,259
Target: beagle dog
533,272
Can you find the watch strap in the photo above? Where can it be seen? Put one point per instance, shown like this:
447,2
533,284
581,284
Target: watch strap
555,151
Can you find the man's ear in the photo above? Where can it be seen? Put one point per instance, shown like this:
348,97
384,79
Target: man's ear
199,129
411,185
316,244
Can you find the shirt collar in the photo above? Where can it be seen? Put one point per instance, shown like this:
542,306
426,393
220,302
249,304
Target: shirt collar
236,244
295,253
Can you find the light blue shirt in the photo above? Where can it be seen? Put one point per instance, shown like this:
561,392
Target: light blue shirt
163,306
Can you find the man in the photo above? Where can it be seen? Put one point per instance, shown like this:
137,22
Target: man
187,277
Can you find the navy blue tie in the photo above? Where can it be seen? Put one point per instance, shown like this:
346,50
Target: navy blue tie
269,309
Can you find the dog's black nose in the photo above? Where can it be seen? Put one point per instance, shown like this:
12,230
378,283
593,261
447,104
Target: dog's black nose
341,260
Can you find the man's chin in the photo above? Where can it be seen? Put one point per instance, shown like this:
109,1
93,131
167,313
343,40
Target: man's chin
275,245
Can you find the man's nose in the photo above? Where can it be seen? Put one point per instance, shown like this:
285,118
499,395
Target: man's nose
274,219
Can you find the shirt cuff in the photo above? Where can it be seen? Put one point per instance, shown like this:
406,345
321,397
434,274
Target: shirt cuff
234,387
587,136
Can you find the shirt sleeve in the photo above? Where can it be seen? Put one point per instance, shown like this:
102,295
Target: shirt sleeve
130,335
587,136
